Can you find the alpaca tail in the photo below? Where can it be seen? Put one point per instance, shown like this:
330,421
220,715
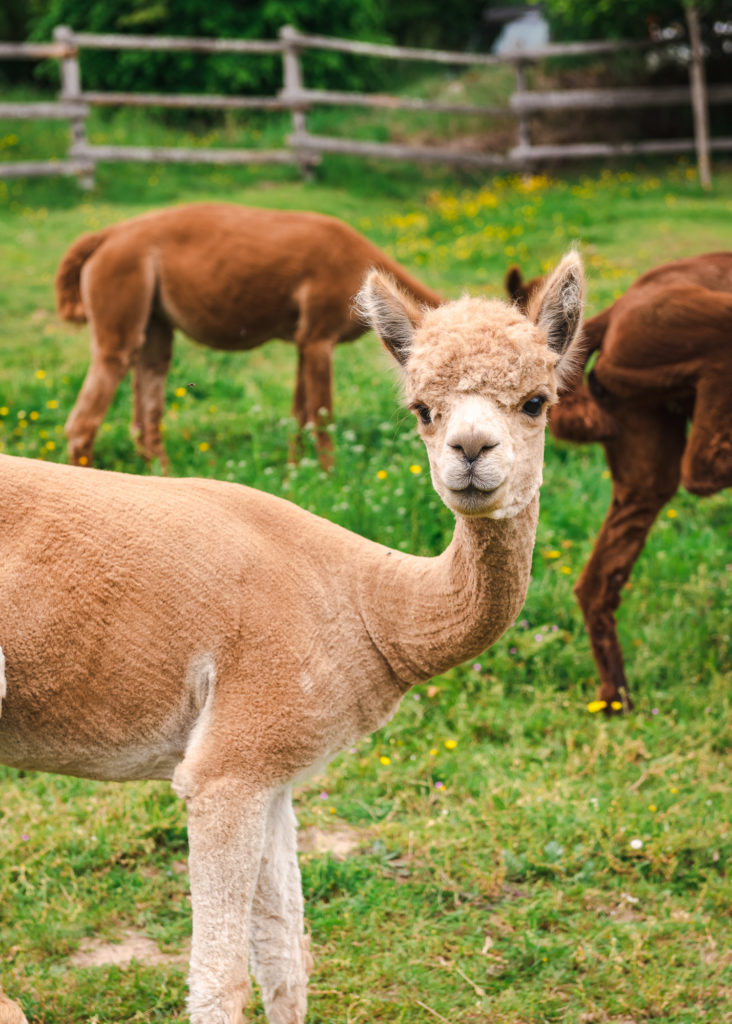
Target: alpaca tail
68,277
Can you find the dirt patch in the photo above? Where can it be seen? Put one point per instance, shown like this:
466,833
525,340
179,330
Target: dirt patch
340,842
132,946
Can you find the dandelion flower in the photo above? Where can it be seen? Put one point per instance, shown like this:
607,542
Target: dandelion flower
450,744
596,705
415,469
382,474
204,446
52,403
616,705
433,752
565,569
179,392
33,415
652,808
83,460
40,374
4,410
384,760
671,513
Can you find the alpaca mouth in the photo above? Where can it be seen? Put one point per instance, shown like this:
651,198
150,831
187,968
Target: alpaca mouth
477,488
472,490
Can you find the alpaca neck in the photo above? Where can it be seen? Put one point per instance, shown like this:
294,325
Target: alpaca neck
427,615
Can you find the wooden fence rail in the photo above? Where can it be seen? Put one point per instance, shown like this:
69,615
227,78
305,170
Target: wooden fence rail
304,148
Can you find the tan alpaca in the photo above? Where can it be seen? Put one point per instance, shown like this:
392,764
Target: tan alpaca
230,277
228,640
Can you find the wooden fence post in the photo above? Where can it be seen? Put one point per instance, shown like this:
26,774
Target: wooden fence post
524,124
71,90
292,90
699,106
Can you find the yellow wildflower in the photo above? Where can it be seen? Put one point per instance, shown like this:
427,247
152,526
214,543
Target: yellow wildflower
671,513
179,392
40,374
52,403
4,410
450,744
415,469
382,474
204,446
34,415
652,808
433,752
384,759
83,460
616,705
596,705
566,570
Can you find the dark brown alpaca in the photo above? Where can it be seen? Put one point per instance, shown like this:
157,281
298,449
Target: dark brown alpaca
664,361
229,277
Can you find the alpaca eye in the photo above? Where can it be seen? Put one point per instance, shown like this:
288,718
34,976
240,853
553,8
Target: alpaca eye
423,413
533,406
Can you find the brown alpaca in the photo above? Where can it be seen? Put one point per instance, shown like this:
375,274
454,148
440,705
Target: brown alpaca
230,641
665,360
229,277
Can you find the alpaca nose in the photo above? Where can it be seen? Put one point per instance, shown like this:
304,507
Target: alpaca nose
472,448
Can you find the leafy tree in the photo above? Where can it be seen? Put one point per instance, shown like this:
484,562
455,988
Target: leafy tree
220,73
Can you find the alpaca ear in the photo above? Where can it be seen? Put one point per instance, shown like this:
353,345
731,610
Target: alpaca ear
557,308
513,282
391,313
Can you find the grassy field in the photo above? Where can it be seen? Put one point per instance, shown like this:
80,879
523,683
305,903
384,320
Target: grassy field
496,853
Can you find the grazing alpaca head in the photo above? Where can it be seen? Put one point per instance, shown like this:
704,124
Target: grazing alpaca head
479,376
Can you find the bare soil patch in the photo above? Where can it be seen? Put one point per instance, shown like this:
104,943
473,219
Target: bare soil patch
132,946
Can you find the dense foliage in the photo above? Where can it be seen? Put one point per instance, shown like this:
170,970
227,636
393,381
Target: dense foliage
624,19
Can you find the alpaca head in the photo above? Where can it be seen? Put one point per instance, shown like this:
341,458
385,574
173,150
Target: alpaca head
480,375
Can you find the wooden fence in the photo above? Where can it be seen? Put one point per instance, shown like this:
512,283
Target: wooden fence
304,148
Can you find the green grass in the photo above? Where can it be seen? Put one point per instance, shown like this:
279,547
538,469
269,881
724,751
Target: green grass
511,892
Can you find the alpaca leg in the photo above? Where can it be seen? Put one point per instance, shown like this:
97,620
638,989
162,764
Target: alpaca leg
299,412
317,377
226,829
280,956
10,1012
707,464
117,302
150,372
644,460
103,377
